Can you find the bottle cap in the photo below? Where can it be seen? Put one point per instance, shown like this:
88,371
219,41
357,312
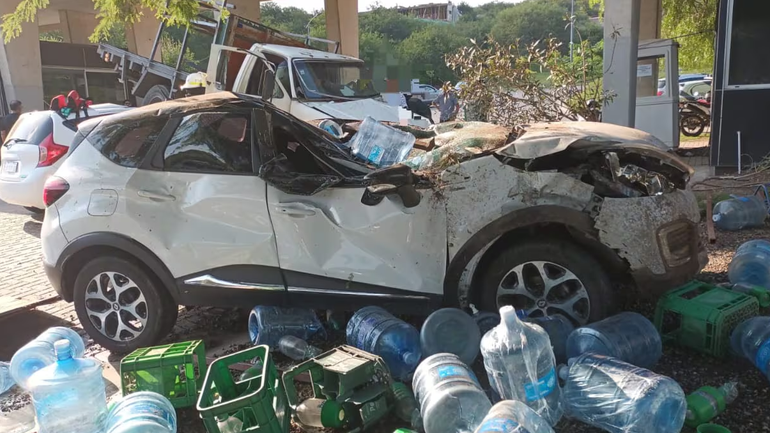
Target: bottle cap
333,414
62,349
716,217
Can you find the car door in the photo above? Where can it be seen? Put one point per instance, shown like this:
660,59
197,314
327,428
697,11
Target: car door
206,207
329,242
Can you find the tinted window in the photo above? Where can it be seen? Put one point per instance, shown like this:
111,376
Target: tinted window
126,141
32,128
211,143
749,32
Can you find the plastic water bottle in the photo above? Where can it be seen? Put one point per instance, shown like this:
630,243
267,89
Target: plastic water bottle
621,398
707,402
69,394
451,399
229,424
513,416
398,343
142,412
520,365
558,328
406,405
268,324
486,320
629,337
39,353
751,264
739,213
451,330
297,348
751,339
381,145
6,381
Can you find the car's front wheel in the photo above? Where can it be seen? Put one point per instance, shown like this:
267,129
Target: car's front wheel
120,306
547,277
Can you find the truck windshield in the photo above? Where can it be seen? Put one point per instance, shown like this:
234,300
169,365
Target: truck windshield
324,80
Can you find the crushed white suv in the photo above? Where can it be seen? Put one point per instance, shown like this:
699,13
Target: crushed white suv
224,200
36,147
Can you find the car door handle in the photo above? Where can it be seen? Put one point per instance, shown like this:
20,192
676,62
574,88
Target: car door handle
155,196
295,209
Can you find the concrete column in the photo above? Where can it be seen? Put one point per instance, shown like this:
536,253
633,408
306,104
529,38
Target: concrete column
650,20
141,35
248,9
621,45
20,64
342,24
77,27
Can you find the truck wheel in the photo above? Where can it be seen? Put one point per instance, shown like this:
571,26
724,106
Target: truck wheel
546,277
157,93
121,306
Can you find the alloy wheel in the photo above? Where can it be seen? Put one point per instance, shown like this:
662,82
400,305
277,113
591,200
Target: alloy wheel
544,288
116,306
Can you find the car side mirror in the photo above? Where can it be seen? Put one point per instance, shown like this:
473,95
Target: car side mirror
397,179
268,85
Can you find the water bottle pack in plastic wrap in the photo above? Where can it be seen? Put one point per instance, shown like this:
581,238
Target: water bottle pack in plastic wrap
621,398
520,365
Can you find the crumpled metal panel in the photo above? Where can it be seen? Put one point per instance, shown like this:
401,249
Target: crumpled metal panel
626,225
482,190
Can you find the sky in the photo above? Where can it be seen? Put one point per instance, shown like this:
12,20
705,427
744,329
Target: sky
363,5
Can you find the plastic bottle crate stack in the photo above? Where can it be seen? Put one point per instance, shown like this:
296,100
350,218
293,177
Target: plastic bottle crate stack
702,316
174,371
258,403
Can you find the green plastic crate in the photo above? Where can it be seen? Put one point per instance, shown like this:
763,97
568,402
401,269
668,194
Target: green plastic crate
701,316
175,371
260,402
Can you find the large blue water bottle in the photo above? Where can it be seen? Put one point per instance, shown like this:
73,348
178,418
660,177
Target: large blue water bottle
451,330
739,213
142,412
621,398
629,337
451,399
398,343
39,353
511,416
558,328
268,324
520,365
6,381
751,264
69,394
751,339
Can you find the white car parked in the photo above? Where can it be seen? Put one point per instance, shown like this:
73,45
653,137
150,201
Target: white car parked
35,148
225,200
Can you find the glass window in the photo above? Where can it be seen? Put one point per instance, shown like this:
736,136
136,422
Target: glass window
749,32
32,127
648,71
211,143
320,80
105,87
126,141
60,82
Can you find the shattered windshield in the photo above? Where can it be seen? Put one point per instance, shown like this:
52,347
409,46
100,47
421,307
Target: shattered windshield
324,80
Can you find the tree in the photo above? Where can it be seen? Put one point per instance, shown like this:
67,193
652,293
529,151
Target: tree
109,13
531,21
389,23
288,19
428,48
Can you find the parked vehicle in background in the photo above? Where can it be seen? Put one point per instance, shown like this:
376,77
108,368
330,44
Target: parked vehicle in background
694,116
224,200
426,92
697,89
36,147
251,58
683,79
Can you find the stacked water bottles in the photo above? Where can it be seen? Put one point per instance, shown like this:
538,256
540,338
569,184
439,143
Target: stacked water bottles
68,390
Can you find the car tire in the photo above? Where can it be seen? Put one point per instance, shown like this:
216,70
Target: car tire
111,310
590,290
157,93
692,125
35,210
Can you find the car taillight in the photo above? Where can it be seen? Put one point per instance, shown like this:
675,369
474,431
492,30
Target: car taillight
660,93
54,189
50,152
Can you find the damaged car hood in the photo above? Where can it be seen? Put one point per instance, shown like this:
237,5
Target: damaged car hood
544,139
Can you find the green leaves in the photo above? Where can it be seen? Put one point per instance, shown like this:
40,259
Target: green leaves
25,12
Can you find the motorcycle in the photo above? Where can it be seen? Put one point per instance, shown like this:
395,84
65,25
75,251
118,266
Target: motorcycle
694,114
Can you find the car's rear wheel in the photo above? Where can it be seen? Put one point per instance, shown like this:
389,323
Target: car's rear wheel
122,307
546,277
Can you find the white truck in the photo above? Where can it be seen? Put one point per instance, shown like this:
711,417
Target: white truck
308,83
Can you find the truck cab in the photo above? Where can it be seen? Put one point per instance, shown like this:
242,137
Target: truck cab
310,84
